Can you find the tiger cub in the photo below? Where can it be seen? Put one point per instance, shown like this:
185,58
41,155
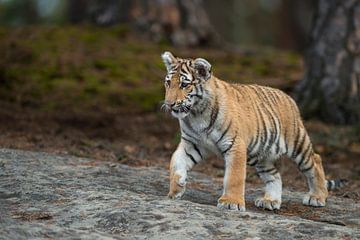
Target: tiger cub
243,124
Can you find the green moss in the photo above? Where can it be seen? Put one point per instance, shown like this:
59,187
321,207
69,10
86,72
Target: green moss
120,31
83,66
261,69
146,99
105,64
293,58
245,61
135,48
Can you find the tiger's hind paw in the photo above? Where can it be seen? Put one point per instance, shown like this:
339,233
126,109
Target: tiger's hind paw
315,201
267,204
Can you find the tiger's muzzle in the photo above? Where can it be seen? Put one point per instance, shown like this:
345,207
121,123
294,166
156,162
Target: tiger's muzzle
179,109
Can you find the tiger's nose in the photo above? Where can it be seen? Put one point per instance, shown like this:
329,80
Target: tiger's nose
170,104
173,104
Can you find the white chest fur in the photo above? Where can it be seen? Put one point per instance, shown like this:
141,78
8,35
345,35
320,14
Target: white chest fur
197,128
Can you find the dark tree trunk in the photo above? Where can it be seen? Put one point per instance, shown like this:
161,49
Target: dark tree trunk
100,12
77,10
31,14
331,85
183,22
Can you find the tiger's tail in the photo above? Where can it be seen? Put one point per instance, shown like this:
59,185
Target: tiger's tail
336,184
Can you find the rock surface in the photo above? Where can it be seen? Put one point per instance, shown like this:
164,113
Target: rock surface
62,197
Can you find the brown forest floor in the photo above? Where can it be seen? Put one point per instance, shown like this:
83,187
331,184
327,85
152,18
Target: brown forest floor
66,91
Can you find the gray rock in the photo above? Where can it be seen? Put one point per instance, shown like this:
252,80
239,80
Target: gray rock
46,196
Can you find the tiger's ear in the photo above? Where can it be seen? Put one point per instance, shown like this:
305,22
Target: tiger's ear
202,68
168,60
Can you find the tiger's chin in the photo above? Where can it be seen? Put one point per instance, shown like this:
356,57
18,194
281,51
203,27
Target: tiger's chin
179,114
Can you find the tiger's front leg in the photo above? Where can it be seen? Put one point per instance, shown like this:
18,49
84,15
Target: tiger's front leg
183,159
234,179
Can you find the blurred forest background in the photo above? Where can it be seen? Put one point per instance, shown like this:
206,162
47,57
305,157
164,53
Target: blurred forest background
84,77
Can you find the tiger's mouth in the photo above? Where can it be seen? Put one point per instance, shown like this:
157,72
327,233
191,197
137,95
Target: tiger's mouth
180,111
177,111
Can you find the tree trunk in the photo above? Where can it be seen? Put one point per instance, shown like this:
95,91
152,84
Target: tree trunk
330,88
77,10
183,22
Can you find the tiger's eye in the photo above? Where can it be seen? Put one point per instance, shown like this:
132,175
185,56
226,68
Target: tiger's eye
184,85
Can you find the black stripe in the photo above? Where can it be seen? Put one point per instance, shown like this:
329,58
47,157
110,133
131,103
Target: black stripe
274,137
213,115
188,65
184,68
196,89
188,134
306,160
261,94
223,134
271,141
201,89
190,156
194,146
298,148
188,125
264,135
255,155
254,163
277,96
286,141
229,147
307,169
188,140
196,93
269,181
329,185
271,97
197,150
277,123
253,144
270,170
305,154
297,137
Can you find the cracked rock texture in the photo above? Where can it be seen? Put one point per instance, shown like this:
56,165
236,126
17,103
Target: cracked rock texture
63,197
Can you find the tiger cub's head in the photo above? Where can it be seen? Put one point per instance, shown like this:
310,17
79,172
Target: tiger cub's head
184,83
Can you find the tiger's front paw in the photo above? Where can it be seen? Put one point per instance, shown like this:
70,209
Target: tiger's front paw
177,186
231,204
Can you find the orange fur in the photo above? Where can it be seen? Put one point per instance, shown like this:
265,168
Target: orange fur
250,120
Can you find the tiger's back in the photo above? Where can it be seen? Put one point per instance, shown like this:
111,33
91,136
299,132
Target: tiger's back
274,122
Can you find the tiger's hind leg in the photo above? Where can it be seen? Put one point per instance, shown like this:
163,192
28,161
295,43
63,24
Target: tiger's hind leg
309,163
314,172
273,186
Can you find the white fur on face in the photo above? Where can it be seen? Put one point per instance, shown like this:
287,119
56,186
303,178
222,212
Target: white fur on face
179,115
